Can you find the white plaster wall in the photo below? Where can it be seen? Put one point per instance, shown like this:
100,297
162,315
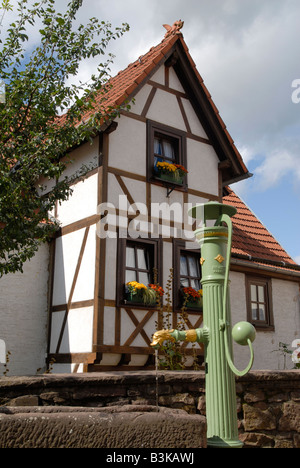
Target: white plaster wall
202,167
128,327
109,325
82,203
196,127
287,314
111,268
23,313
159,75
140,99
286,319
127,149
85,155
78,332
174,82
66,258
165,109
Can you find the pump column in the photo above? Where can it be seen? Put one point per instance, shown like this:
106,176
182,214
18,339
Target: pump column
222,430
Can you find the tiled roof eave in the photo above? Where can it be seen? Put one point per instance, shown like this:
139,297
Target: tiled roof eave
265,266
266,261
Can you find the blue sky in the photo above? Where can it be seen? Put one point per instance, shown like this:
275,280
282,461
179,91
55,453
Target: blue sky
278,209
247,52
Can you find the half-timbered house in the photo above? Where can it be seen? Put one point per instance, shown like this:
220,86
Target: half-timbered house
127,222
94,325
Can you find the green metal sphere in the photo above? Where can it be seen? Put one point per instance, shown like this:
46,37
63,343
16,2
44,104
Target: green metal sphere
243,331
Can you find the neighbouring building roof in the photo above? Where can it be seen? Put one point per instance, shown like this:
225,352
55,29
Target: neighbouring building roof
252,242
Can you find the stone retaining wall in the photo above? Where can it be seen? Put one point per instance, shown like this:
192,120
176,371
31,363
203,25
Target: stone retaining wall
268,402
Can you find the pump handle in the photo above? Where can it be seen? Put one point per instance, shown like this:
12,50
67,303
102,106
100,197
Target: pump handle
224,218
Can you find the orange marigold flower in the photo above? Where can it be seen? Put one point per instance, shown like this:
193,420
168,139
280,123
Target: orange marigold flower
157,288
191,292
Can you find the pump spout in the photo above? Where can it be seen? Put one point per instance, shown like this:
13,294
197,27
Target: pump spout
199,335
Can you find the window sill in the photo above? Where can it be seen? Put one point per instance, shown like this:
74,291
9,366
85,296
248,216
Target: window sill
169,178
194,307
136,301
136,305
260,327
182,187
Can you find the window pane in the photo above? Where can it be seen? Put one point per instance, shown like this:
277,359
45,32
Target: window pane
262,315
195,284
254,312
142,256
194,266
130,257
157,146
168,150
261,294
184,282
130,276
253,292
156,160
183,265
144,278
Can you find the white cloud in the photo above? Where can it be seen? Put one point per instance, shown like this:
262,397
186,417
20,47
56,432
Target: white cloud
297,259
276,166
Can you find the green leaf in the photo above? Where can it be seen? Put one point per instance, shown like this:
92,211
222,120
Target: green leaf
32,142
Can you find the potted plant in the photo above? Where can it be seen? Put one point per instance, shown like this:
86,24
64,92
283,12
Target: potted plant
192,299
170,172
138,293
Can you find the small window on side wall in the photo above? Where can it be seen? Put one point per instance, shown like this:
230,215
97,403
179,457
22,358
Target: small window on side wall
187,278
166,155
137,264
259,302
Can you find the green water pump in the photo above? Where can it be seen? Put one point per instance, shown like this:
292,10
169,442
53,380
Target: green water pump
217,332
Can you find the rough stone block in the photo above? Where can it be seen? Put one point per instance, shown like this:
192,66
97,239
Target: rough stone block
256,418
290,420
50,427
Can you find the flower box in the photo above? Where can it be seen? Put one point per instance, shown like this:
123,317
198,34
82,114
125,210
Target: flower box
168,172
139,294
194,304
169,178
134,298
138,299
191,299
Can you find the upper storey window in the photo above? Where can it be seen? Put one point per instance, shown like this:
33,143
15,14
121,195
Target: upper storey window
165,148
166,155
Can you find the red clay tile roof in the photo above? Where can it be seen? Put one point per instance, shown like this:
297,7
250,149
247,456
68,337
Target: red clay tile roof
251,237
123,85
127,81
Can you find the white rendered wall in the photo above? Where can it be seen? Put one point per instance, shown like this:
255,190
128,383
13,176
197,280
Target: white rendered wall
286,313
82,203
78,332
68,248
24,315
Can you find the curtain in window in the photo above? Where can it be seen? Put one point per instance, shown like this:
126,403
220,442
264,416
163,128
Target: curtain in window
157,146
168,150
